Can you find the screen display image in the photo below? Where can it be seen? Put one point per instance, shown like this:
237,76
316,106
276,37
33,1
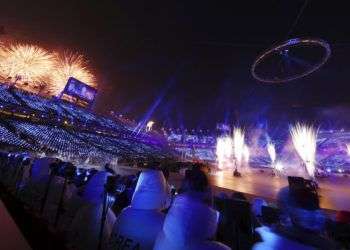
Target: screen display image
81,90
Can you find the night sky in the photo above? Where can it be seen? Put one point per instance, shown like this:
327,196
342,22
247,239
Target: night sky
190,60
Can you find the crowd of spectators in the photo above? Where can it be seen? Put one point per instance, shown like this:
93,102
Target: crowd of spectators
61,129
92,209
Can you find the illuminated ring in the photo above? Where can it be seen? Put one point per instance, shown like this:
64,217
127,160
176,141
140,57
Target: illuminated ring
285,46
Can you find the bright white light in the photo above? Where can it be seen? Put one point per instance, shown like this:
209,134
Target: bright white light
223,150
278,166
238,144
272,152
246,153
149,125
348,148
304,140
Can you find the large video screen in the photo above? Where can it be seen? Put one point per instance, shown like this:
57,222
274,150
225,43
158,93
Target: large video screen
80,90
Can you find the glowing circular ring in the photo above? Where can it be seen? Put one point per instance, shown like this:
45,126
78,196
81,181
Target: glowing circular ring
284,46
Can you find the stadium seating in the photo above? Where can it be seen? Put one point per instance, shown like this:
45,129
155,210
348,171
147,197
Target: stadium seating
56,127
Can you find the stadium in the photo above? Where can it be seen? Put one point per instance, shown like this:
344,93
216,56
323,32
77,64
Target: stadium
173,142
56,127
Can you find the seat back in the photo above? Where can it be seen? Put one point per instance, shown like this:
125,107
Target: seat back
270,215
235,224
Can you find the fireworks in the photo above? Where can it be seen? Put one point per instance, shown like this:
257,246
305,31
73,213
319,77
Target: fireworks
246,153
149,125
27,63
272,152
238,145
223,150
70,65
278,166
348,148
41,69
304,141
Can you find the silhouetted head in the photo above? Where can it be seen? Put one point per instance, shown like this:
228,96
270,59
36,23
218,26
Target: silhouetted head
196,180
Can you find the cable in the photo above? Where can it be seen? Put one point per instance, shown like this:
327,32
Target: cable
297,19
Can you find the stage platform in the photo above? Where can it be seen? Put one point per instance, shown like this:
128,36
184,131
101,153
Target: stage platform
334,191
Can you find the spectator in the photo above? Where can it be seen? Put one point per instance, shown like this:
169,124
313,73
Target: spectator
302,209
196,184
306,229
138,225
190,224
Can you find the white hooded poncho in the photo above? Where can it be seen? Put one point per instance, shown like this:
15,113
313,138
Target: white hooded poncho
189,225
138,225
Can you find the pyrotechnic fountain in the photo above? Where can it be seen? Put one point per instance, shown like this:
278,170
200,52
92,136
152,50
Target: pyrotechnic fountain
278,166
223,151
238,149
348,148
246,154
304,141
272,153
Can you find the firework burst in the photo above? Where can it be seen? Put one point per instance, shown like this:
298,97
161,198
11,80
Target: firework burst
40,69
238,145
304,141
28,63
70,65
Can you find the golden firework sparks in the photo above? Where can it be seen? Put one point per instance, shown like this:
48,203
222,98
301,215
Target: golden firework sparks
27,63
41,70
70,65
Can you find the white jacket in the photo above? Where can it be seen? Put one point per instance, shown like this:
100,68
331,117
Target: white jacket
189,225
138,225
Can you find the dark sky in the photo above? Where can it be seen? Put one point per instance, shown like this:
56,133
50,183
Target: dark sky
189,60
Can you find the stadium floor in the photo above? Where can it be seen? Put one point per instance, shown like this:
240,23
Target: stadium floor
334,191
